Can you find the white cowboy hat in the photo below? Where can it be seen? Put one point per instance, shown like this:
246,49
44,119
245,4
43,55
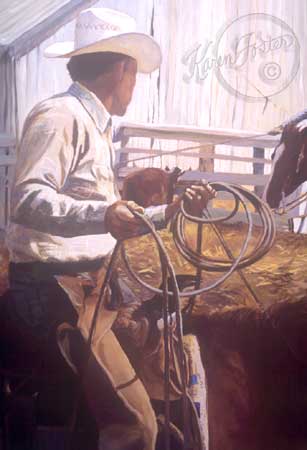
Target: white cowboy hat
107,30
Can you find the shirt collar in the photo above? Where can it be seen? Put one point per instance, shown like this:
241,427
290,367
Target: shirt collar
93,105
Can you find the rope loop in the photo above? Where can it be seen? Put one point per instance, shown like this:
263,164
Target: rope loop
243,198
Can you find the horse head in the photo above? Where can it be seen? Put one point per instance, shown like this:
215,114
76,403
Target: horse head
151,186
289,168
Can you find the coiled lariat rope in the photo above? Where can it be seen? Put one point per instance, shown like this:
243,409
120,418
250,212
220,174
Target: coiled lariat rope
167,272
265,241
242,197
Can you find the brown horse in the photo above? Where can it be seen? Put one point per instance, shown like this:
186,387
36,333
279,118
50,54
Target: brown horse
256,366
289,169
256,370
255,359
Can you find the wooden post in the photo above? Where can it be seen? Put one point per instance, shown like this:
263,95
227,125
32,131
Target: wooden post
123,158
206,165
7,162
118,136
258,168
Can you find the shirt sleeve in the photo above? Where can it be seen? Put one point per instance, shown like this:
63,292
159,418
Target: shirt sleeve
46,156
157,215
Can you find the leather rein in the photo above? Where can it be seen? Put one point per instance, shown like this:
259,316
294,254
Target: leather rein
286,207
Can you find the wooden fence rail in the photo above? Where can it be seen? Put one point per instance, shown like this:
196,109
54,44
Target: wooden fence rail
203,149
216,136
205,140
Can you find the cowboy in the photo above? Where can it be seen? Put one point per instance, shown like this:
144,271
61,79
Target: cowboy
66,214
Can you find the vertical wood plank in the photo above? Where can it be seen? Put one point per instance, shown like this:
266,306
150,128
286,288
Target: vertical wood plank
258,168
207,165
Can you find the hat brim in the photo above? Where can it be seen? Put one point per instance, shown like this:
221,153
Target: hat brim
139,46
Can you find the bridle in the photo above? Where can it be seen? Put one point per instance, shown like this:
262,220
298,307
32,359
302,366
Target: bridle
286,207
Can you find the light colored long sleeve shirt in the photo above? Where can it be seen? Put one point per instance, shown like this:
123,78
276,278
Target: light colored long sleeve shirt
64,182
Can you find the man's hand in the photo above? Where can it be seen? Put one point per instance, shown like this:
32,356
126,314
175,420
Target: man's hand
197,197
121,222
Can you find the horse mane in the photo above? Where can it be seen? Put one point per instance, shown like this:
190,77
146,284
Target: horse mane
296,118
290,131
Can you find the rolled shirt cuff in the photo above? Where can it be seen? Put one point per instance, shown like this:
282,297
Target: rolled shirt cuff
157,215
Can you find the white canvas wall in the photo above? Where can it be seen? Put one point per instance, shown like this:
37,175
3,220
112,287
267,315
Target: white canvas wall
177,25
38,77
23,83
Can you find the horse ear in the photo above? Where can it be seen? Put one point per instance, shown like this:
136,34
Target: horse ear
177,172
